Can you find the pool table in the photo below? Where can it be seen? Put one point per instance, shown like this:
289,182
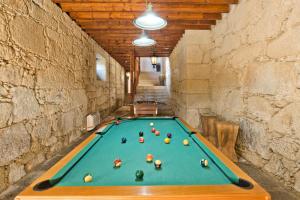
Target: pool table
181,175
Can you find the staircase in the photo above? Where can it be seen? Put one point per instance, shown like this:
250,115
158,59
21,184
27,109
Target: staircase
149,78
148,89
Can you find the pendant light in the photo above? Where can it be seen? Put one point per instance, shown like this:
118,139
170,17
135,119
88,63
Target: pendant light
149,20
144,41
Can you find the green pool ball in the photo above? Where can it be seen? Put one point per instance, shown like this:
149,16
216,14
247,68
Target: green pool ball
139,174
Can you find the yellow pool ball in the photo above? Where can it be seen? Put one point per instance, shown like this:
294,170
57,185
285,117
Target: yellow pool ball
185,142
88,178
167,140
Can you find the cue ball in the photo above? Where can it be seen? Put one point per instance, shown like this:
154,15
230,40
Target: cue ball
204,163
88,178
185,142
151,124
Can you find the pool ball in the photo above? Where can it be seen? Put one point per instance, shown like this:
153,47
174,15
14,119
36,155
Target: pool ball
204,163
151,124
149,158
118,122
153,130
169,135
157,164
123,140
185,142
141,140
117,162
141,133
88,178
139,174
157,133
167,140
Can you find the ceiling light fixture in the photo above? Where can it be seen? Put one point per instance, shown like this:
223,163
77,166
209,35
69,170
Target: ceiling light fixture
149,20
144,41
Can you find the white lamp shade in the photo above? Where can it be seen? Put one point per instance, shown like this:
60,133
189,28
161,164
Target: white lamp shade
144,41
149,20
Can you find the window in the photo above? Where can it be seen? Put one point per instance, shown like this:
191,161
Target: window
100,67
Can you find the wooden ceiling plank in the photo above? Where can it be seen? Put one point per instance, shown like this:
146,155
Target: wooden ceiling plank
140,7
152,1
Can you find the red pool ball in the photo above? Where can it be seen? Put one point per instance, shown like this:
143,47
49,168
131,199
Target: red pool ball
157,133
118,122
141,140
153,130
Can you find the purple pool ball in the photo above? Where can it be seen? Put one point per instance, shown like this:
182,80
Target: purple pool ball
169,135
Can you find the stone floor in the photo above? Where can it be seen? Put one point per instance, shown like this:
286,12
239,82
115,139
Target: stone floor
277,190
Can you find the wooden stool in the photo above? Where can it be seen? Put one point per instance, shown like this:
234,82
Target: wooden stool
227,134
145,109
209,128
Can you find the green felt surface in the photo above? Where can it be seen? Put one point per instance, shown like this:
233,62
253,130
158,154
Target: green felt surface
180,164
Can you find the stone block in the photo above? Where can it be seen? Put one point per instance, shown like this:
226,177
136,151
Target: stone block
275,166
25,105
297,181
3,32
28,34
285,147
3,183
202,37
6,52
67,121
53,77
286,120
11,74
39,158
197,71
291,36
195,86
198,100
254,137
260,108
16,172
271,78
42,129
6,110
247,54
225,78
193,117
194,54
16,135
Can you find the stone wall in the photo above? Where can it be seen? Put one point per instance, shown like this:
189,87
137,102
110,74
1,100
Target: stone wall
47,84
255,81
190,71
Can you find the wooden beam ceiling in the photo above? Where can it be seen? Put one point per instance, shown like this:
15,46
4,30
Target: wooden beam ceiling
109,22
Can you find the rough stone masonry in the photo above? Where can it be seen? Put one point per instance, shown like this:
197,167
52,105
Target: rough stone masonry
247,70
47,84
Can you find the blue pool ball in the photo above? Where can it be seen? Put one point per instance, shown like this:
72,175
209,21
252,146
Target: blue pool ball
141,133
123,140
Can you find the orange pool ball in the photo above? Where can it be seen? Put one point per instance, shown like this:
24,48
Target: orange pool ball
149,158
